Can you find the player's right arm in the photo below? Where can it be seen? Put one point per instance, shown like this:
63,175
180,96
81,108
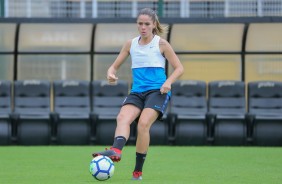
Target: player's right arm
112,71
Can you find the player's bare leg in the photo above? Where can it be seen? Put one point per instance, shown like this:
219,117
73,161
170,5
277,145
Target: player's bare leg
126,116
147,118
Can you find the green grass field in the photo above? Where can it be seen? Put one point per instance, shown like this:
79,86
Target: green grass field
164,164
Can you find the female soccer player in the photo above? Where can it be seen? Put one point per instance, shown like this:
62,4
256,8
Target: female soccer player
150,92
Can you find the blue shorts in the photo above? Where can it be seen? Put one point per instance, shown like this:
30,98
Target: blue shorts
149,99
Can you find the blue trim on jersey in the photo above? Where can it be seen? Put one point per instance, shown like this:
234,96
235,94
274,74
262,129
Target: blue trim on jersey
147,78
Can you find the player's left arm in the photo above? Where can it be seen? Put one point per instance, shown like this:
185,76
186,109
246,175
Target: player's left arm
174,61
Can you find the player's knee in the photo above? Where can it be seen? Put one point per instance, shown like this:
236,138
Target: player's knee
120,117
143,126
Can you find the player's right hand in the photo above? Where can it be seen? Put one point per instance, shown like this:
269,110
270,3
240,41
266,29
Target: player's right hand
112,78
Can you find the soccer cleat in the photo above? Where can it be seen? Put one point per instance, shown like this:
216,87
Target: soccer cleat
113,153
137,175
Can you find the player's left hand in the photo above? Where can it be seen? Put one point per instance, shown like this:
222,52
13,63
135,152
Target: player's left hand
165,88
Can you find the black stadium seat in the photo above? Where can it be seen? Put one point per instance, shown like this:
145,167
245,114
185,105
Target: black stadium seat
72,112
227,110
188,112
32,111
265,112
159,131
5,110
106,103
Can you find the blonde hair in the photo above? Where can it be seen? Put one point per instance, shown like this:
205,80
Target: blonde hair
159,29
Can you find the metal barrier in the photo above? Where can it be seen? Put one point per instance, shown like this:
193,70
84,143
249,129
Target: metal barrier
129,8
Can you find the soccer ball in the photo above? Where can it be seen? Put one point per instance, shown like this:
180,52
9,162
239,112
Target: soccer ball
102,168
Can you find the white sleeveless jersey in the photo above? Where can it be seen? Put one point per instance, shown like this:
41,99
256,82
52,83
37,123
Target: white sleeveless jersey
146,55
148,65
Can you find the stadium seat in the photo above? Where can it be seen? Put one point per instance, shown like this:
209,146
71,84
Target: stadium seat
106,103
226,112
72,112
32,112
188,110
5,110
159,131
265,112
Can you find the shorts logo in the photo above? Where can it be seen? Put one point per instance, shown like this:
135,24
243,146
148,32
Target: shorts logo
158,107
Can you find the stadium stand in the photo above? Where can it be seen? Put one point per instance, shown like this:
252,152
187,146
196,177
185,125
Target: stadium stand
5,111
32,112
72,112
85,112
188,112
265,112
226,112
106,103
